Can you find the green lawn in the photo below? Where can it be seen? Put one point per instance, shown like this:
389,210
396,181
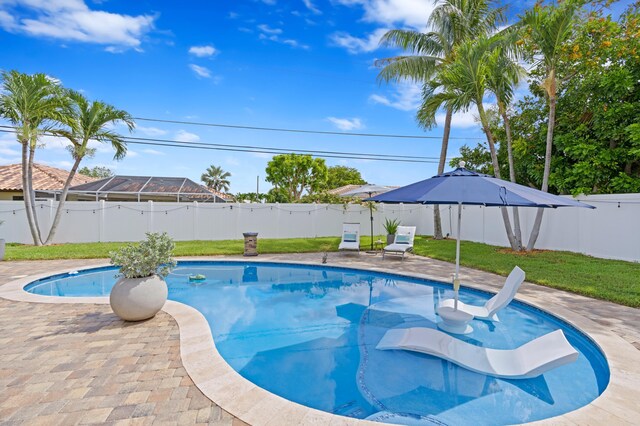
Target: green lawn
612,280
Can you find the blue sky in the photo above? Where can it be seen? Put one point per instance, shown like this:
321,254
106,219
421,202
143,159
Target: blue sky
305,64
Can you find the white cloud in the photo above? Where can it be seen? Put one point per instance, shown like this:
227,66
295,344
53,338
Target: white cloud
203,72
346,123
203,51
150,131
269,2
184,136
295,43
73,20
312,7
407,13
408,97
131,154
358,45
268,30
152,151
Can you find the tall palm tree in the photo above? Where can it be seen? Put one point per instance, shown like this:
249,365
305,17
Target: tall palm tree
504,75
217,179
84,122
32,103
465,83
548,29
452,22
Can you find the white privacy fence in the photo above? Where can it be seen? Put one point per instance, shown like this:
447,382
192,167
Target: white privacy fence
610,231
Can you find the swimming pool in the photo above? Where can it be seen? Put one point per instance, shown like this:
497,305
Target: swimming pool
308,333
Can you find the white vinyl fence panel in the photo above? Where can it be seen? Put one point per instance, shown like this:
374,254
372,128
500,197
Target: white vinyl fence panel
610,231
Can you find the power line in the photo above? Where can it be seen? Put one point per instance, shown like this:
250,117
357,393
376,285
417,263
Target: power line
262,150
286,130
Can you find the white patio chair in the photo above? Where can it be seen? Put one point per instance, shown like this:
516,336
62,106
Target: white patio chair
350,237
402,243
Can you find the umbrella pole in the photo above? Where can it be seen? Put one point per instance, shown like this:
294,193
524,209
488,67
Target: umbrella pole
456,280
371,215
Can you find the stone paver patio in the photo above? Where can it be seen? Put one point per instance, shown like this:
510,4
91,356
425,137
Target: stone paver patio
78,363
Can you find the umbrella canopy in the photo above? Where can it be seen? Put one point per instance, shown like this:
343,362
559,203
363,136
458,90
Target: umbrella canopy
462,186
368,189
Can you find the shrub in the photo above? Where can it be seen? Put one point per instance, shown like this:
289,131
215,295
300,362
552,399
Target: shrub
149,257
391,225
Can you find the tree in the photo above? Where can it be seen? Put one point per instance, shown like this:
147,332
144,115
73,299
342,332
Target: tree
452,22
547,30
338,176
32,103
84,122
217,179
99,172
251,197
294,175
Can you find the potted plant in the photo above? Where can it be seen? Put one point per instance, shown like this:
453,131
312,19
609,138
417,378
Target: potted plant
141,291
391,226
2,244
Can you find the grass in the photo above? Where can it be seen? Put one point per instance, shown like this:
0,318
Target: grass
613,280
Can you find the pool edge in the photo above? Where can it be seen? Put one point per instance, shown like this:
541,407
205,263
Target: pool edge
254,405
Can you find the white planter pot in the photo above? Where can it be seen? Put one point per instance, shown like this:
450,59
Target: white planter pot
2,246
137,299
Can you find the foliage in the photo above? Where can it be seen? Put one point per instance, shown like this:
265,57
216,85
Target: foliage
324,197
612,280
477,158
252,197
391,225
278,195
149,257
338,176
215,178
99,172
293,175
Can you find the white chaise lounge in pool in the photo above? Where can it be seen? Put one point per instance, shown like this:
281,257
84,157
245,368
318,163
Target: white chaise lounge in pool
529,360
350,237
497,302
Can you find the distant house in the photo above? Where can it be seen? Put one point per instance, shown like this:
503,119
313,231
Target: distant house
146,188
46,181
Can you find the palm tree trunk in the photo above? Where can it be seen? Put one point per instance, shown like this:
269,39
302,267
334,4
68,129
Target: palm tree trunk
26,195
517,232
437,222
535,231
32,193
496,172
63,198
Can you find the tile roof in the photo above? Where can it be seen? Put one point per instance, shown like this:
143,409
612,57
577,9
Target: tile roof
45,178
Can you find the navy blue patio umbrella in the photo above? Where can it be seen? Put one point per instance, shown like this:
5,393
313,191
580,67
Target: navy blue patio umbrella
462,186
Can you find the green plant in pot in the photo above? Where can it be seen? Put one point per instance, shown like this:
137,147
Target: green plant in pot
391,226
141,291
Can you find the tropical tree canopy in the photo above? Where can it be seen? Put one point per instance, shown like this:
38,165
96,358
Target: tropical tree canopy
338,176
293,175
99,172
217,179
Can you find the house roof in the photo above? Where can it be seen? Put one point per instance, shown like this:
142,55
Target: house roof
45,178
148,185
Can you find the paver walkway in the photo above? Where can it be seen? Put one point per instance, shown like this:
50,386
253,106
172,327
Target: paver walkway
71,364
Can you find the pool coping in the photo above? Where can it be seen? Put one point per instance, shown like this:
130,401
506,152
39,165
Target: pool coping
257,406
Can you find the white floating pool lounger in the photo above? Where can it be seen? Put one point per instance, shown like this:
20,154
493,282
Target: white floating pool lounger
529,360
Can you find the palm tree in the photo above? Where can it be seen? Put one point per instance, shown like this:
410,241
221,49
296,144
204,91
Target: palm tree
452,22
86,121
504,75
464,82
547,29
217,179
32,103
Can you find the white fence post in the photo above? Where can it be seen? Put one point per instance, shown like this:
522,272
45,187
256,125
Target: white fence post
101,221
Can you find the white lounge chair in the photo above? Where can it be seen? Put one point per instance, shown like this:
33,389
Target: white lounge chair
529,360
350,237
403,242
497,302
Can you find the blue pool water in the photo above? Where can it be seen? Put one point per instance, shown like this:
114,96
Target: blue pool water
309,333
